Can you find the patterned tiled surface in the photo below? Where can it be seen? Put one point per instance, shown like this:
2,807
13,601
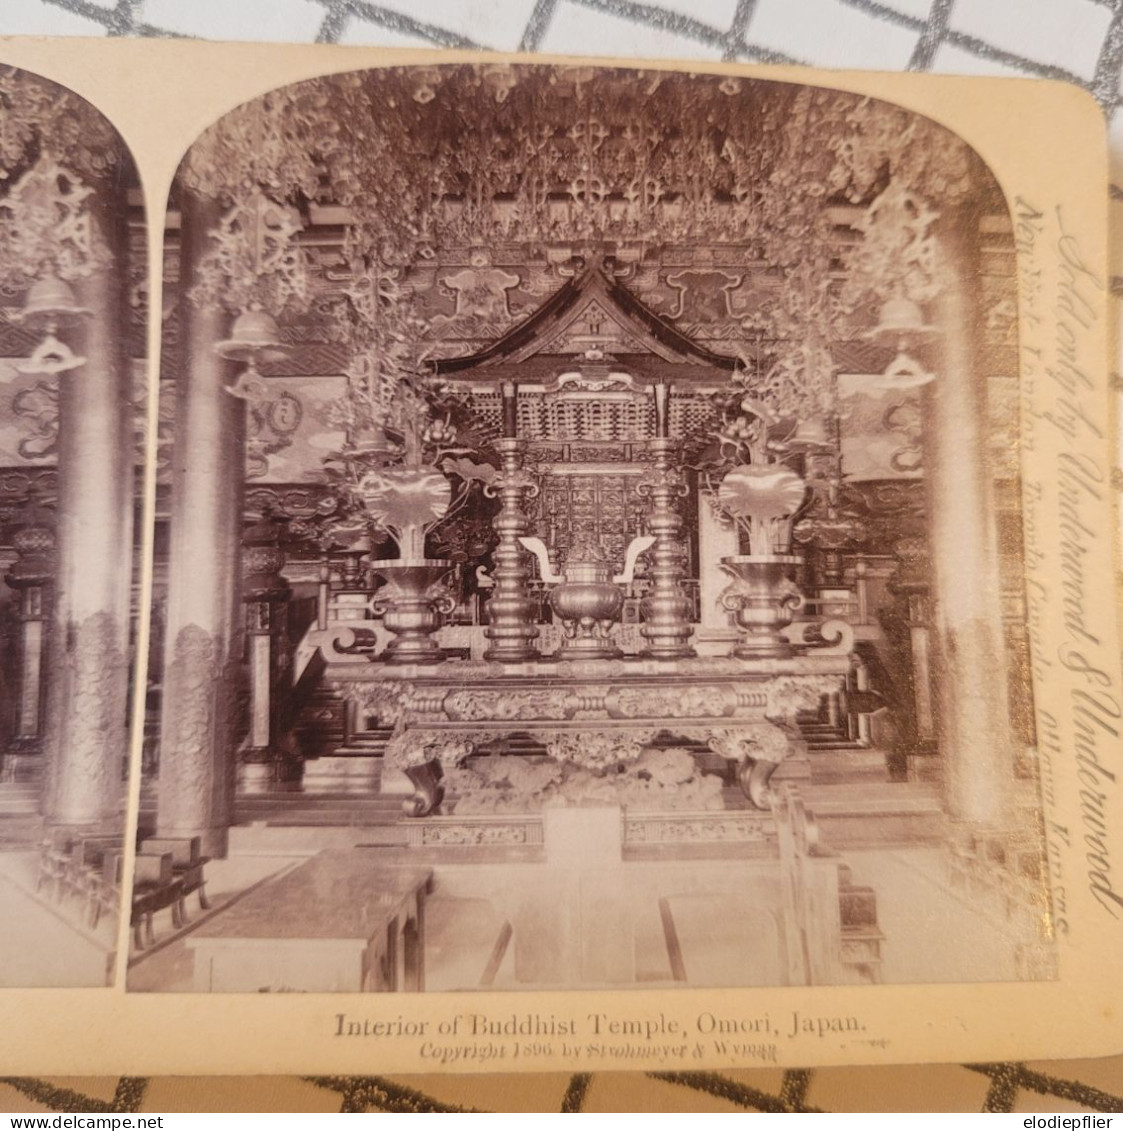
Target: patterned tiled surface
1078,41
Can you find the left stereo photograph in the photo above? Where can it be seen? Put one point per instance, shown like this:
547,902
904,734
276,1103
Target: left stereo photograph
73,315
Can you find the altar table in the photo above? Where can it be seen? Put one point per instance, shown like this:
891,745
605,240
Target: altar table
336,923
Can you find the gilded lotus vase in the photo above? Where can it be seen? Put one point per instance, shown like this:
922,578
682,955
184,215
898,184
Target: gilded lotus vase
413,604
763,598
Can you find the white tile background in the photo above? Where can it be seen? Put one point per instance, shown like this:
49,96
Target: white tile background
1077,40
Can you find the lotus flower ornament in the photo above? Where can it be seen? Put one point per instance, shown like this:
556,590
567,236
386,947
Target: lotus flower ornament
407,501
762,500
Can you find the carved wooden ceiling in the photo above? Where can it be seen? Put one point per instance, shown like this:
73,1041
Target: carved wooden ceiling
726,211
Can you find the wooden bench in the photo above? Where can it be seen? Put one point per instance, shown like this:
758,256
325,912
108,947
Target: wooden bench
54,865
77,866
188,866
103,894
96,875
155,888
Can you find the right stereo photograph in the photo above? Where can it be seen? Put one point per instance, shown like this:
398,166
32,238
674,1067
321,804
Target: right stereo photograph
589,546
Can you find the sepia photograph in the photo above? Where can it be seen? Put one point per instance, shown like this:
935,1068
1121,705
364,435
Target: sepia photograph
73,316
589,547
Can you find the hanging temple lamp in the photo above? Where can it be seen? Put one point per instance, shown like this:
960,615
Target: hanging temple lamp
254,337
50,306
901,322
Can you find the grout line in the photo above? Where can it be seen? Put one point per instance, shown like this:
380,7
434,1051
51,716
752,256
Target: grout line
1105,83
887,15
986,50
574,1098
84,8
537,25
793,1091
756,54
335,23
397,21
935,29
746,9
738,29
125,17
658,18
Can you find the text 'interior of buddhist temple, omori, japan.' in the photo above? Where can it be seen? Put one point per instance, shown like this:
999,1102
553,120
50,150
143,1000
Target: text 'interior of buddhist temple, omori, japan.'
589,545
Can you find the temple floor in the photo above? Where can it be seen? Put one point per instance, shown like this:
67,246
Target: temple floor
688,914
43,944
723,937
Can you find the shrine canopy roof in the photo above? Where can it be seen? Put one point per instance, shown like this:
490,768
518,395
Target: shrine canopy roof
592,318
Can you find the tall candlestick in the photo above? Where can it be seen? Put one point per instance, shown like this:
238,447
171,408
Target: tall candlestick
666,608
661,421
511,611
510,410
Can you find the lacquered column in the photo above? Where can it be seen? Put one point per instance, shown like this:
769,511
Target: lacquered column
716,540
265,593
202,670
975,735
31,576
86,708
911,585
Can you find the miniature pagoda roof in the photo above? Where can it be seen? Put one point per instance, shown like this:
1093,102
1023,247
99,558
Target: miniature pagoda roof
595,318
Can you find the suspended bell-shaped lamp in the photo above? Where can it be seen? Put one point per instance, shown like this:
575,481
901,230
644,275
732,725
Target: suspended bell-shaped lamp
254,337
52,304
901,323
49,306
810,435
903,372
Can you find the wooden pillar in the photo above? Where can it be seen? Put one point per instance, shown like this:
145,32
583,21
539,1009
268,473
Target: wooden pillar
202,668
86,723
32,577
265,594
975,735
911,618
715,541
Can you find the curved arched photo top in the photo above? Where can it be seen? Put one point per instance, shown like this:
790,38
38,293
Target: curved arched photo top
73,312
71,212
735,359
422,158
335,202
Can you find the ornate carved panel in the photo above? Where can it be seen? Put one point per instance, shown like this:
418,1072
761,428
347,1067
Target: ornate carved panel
596,506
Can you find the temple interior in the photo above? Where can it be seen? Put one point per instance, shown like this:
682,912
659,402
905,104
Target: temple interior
588,552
